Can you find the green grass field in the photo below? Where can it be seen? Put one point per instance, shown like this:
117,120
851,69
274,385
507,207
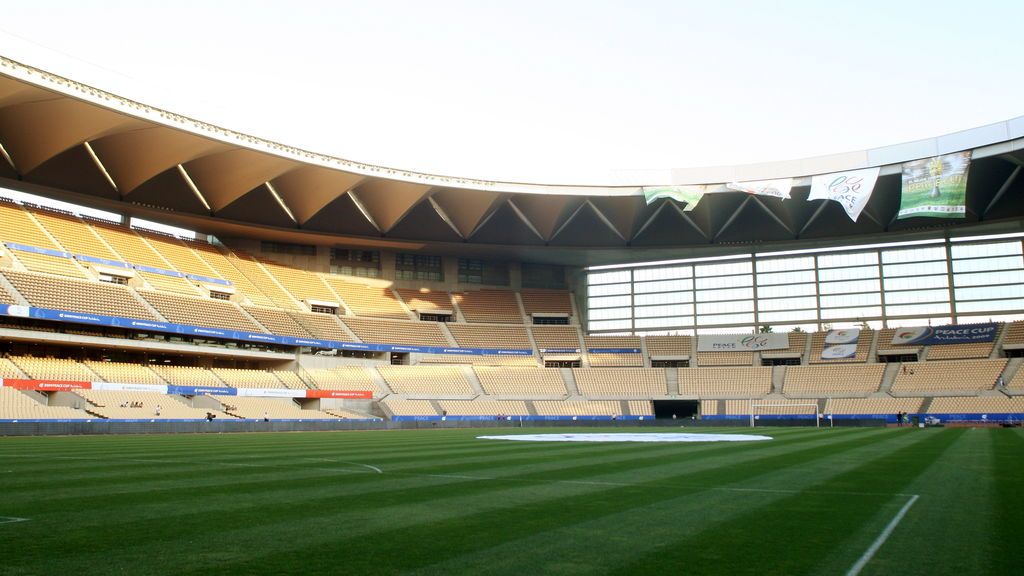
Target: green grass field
808,502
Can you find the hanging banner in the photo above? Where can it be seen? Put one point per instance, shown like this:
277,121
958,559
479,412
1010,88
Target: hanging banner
952,334
837,351
690,195
844,336
741,342
776,188
851,189
935,187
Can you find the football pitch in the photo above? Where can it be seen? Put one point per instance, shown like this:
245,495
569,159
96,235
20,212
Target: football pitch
839,501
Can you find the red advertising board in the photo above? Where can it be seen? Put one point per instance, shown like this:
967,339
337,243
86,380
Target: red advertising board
46,385
363,394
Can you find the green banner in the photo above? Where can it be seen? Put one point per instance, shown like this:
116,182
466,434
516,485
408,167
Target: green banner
690,195
935,187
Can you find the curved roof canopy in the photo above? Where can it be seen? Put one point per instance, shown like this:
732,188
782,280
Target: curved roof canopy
64,139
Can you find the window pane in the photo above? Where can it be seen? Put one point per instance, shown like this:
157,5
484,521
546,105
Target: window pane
979,264
916,296
782,291
920,269
725,307
911,309
703,270
608,301
848,273
985,250
664,285
785,264
663,298
785,277
725,282
787,304
607,290
788,316
982,278
663,273
855,259
728,294
609,313
914,254
851,300
849,287
982,292
858,312
672,310
608,277
610,325
917,283
990,305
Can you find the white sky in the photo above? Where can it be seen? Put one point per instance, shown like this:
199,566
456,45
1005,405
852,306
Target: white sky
546,91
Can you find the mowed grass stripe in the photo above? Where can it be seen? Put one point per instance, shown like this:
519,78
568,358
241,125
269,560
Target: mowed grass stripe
490,517
798,533
600,543
201,523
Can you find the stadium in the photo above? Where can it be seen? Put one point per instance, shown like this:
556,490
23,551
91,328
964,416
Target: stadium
164,280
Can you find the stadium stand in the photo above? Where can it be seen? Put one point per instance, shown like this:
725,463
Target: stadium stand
885,344
375,301
251,269
302,285
883,406
324,326
746,382
139,405
290,379
74,235
47,264
621,382
397,332
976,405
277,321
178,254
245,378
577,408
346,414
563,337
947,378
479,360
223,268
271,408
521,382
53,368
838,380
482,336
187,375
613,359
426,380
725,358
1014,333
426,301
17,405
488,306
124,372
484,407
198,311
404,407
797,344
537,301
960,351
342,378
669,346
818,344
769,408
77,295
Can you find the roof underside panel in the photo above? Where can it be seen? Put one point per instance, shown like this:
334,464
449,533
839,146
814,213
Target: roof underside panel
505,226
546,213
626,213
225,176
75,170
423,221
307,190
341,216
133,157
258,206
669,227
169,190
587,228
388,201
466,211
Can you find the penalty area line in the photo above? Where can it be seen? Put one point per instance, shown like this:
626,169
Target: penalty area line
11,519
870,552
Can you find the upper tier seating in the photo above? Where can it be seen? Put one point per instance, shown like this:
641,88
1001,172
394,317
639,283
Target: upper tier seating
187,375
489,306
725,358
242,378
747,382
6,297
640,408
478,336
9,370
178,254
484,407
397,332
425,300
200,311
53,368
46,264
863,346
426,380
479,360
302,285
17,405
252,270
216,260
342,378
950,377
669,346
324,326
1014,333
616,359
797,344
75,235
124,372
111,404
548,337
837,380
770,407
363,300
960,351
621,382
277,321
130,246
546,301
523,382
77,295
18,226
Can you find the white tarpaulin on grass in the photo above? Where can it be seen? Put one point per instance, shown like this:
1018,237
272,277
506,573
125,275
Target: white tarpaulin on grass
628,437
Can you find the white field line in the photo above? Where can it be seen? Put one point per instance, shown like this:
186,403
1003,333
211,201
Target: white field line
368,468
870,552
11,519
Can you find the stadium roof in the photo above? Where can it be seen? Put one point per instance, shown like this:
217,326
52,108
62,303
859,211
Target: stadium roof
67,140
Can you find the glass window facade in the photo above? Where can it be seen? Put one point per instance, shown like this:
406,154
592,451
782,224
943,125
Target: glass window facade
887,285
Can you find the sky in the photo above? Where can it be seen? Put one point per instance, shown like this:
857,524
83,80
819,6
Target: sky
571,92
